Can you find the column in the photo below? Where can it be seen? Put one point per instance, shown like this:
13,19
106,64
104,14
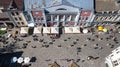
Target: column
64,20
51,18
76,19
57,20
70,18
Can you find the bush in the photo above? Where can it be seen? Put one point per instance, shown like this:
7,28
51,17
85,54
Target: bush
3,31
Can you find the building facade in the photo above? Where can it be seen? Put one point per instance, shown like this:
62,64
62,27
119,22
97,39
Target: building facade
14,10
64,13
113,60
106,12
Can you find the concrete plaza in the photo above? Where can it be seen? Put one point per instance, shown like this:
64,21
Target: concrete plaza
67,48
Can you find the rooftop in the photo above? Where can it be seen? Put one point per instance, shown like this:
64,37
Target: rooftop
107,5
9,4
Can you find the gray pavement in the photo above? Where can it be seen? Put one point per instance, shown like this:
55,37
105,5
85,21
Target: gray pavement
61,54
64,49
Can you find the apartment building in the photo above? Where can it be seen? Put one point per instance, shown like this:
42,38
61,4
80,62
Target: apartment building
106,12
113,60
14,10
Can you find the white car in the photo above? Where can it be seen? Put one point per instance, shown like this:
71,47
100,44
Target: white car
9,35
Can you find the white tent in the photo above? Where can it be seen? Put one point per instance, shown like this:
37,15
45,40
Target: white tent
14,59
24,30
54,30
46,29
37,30
26,60
68,29
20,60
76,29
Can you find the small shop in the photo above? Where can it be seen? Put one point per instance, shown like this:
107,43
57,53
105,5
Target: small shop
68,30
76,29
46,30
37,30
54,32
24,31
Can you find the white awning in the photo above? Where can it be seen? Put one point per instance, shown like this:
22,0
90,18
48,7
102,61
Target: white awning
76,29
54,30
24,30
68,29
37,30
46,29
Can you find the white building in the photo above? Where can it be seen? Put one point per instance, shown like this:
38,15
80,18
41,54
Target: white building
66,14
113,60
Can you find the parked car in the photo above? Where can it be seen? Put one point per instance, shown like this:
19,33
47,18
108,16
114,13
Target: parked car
9,35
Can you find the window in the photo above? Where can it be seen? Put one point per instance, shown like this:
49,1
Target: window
20,18
16,19
42,18
13,13
22,23
112,55
55,18
61,17
28,18
73,18
116,64
48,18
18,23
115,61
17,13
79,18
4,19
86,18
61,9
107,65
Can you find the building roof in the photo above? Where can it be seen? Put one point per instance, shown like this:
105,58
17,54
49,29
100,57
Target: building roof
8,4
106,5
32,4
85,13
60,2
5,3
19,4
62,9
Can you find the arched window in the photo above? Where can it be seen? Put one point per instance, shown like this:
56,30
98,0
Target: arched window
61,9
